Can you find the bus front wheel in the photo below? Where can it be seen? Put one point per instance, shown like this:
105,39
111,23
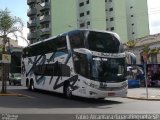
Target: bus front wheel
31,87
67,90
27,84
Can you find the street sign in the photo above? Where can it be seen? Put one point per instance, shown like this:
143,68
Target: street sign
6,58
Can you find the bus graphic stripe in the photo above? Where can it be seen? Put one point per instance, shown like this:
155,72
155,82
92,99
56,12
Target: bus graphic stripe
40,79
72,79
56,85
34,64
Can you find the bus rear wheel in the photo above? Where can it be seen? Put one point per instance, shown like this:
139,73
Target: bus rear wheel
67,90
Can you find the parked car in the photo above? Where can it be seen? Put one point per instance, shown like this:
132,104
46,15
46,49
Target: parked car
15,79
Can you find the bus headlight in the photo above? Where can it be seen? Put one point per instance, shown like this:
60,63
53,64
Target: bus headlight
91,85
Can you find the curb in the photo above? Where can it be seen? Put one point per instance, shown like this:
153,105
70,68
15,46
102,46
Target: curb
143,98
11,94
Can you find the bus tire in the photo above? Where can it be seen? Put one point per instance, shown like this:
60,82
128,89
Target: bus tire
31,87
27,84
67,90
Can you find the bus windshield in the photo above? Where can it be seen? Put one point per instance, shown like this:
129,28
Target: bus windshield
103,42
108,69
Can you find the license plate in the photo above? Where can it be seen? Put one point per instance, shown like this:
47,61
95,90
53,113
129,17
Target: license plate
111,94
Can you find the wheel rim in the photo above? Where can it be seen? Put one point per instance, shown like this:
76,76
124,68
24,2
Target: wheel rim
32,86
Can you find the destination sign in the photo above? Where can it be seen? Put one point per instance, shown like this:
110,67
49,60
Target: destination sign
110,55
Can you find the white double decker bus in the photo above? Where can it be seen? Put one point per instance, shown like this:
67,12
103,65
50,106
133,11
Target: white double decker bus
86,63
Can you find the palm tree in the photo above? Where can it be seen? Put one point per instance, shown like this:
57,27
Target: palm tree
8,25
146,52
131,44
153,54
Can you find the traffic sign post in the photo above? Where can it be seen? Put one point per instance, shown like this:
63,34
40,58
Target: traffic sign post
145,58
6,58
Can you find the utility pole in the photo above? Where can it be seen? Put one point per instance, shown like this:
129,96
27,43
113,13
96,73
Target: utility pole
145,57
5,65
3,75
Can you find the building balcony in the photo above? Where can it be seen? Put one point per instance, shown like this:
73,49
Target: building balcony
45,18
45,6
39,1
29,2
31,12
31,23
31,36
45,31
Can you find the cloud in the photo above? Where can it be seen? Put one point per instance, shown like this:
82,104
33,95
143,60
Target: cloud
21,41
154,16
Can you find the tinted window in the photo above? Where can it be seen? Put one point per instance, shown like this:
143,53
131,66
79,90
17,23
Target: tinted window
54,45
76,40
103,42
55,69
57,44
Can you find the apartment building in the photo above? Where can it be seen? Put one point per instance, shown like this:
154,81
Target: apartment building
128,18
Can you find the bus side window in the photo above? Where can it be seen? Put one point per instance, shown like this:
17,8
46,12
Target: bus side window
76,40
61,70
65,70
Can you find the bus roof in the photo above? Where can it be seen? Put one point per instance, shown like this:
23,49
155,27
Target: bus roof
76,30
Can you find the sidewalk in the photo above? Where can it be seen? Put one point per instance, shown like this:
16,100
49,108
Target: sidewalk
141,94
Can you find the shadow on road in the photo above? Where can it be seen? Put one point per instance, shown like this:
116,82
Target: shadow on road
43,99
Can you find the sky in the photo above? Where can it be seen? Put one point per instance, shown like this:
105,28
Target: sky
19,8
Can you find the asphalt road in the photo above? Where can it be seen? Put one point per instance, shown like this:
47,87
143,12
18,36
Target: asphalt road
41,104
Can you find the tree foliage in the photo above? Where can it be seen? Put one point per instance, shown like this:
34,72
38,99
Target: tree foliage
10,25
150,51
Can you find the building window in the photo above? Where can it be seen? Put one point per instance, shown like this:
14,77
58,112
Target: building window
106,19
110,9
132,15
107,29
88,23
110,0
81,4
105,0
87,2
81,14
82,25
112,28
132,24
88,12
111,19
45,1
133,33
131,7
106,9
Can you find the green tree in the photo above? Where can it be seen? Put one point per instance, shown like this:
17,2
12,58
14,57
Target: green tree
9,25
146,49
131,44
151,53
